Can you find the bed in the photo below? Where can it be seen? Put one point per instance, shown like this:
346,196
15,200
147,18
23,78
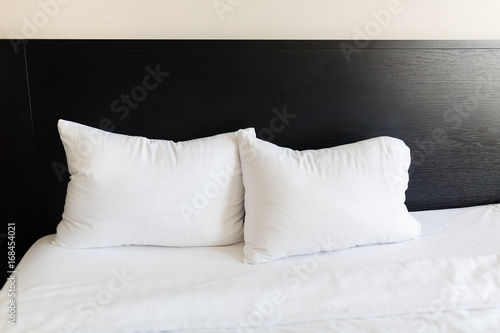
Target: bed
257,186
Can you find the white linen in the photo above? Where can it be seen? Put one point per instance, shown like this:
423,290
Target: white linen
447,280
128,190
305,202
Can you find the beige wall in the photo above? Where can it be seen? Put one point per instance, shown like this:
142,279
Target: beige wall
251,19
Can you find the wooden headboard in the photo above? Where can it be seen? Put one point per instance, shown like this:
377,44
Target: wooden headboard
441,97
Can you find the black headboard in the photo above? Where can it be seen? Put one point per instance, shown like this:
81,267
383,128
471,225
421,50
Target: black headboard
441,97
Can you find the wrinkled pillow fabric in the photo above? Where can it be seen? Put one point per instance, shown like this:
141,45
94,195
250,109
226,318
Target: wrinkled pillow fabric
126,190
304,202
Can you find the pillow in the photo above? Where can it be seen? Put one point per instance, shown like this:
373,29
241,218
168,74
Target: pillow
304,202
126,190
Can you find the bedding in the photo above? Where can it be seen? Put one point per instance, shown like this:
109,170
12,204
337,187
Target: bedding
133,190
304,202
446,280
439,97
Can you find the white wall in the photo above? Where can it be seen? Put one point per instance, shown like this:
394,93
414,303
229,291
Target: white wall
251,19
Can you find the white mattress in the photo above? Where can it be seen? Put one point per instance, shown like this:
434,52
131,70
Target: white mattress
448,280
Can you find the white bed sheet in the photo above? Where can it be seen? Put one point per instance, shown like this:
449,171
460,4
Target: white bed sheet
447,280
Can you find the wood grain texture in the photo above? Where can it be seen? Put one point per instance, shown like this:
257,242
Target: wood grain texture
20,194
442,98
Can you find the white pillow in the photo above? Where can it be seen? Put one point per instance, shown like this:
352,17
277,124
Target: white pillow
304,202
132,190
